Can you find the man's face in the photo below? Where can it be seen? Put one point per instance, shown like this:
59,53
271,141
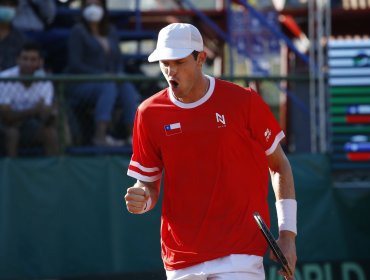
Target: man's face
29,61
183,75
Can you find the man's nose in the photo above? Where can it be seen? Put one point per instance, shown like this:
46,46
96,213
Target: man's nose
28,63
172,70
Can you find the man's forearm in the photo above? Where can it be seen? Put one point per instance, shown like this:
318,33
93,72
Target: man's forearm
11,117
283,185
282,182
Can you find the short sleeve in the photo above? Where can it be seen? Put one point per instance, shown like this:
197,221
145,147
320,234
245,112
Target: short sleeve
2,93
146,163
5,88
47,92
263,125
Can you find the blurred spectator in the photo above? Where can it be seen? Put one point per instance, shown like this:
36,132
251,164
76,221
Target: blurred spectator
93,48
11,39
27,112
336,4
67,3
35,15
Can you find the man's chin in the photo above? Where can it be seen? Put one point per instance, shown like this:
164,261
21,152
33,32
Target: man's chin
27,73
175,90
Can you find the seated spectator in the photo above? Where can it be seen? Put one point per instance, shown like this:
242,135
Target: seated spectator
11,39
93,48
35,15
26,107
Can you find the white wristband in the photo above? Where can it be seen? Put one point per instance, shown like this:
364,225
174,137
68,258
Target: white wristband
286,210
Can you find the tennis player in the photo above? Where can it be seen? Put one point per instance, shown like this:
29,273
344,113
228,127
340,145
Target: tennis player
215,143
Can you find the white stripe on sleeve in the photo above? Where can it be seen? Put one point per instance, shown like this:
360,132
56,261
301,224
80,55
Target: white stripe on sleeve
277,140
143,178
143,168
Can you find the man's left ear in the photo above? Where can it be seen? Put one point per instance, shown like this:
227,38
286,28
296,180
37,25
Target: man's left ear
202,57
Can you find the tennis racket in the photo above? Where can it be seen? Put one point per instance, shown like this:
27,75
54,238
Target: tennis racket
272,243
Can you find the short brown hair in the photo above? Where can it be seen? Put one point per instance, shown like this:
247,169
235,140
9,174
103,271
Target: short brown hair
195,54
9,2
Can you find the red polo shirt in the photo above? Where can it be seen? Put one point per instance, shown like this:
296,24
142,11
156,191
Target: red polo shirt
213,154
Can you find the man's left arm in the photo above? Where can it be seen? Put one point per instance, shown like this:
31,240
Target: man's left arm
286,205
49,109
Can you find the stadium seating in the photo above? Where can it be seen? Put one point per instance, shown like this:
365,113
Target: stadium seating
349,70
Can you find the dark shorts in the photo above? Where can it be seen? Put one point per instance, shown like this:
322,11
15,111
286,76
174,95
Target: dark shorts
30,132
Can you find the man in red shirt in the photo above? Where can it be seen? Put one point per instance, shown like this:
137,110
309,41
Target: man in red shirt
215,143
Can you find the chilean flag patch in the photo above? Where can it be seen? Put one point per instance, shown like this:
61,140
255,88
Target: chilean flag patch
171,129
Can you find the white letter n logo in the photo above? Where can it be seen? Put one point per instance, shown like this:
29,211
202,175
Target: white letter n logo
220,118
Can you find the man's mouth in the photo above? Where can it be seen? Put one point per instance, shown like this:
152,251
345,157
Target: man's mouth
174,84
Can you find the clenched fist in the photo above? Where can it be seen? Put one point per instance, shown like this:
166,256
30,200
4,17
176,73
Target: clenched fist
137,199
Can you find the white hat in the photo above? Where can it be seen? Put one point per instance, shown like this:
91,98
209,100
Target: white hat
176,41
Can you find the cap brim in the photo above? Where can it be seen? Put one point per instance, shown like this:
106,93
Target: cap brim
168,54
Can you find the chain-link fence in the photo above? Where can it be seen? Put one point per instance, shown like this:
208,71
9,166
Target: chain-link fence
83,115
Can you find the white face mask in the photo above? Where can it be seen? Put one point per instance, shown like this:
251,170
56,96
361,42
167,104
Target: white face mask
93,13
6,13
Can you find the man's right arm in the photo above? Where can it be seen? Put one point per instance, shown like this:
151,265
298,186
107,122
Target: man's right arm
142,196
12,117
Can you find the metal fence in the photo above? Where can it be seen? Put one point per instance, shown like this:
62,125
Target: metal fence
75,124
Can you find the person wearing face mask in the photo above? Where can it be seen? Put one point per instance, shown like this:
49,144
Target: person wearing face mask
11,39
93,48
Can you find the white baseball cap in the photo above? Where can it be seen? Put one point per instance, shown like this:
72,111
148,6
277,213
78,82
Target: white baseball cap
176,41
